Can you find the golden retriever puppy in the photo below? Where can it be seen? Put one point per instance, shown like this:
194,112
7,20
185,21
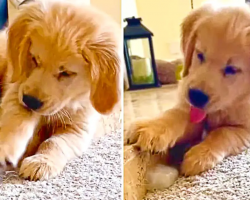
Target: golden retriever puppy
3,54
63,72
214,93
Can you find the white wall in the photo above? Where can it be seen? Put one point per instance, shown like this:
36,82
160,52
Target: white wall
111,7
163,18
198,3
129,9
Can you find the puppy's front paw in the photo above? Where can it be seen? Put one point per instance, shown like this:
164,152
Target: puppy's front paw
198,159
39,167
150,135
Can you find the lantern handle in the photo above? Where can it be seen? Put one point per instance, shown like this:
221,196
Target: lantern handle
133,21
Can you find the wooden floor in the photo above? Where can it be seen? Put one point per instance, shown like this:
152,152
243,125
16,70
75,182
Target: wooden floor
148,102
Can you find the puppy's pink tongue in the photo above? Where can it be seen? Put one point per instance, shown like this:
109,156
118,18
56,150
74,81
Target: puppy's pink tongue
196,114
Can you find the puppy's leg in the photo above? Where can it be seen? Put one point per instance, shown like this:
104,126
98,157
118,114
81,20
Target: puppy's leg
157,135
55,152
219,143
17,127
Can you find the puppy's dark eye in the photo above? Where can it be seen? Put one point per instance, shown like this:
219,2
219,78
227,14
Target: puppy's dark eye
201,57
34,60
230,70
64,74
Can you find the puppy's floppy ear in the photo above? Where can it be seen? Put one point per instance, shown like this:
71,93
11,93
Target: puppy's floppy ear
19,40
245,33
103,54
188,34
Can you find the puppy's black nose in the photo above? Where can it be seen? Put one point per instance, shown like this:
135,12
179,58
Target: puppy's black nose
198,98
32,102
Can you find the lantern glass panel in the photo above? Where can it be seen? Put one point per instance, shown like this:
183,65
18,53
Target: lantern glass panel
140,61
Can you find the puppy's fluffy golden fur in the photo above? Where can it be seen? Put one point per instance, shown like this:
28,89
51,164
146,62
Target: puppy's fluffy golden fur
68,58
222,35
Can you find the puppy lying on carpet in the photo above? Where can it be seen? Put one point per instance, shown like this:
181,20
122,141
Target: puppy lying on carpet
214,93
60,71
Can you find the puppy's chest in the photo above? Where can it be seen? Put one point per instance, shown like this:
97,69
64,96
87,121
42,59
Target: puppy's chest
219,119
49,125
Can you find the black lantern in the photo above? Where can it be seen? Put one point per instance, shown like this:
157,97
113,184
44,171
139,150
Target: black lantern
139,55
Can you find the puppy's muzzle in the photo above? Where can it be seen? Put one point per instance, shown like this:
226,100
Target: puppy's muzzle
198,98
32,102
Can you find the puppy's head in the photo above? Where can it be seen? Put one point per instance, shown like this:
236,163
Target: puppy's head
216,49
62,54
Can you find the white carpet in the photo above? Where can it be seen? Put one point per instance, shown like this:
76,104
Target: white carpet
96,175
229,180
